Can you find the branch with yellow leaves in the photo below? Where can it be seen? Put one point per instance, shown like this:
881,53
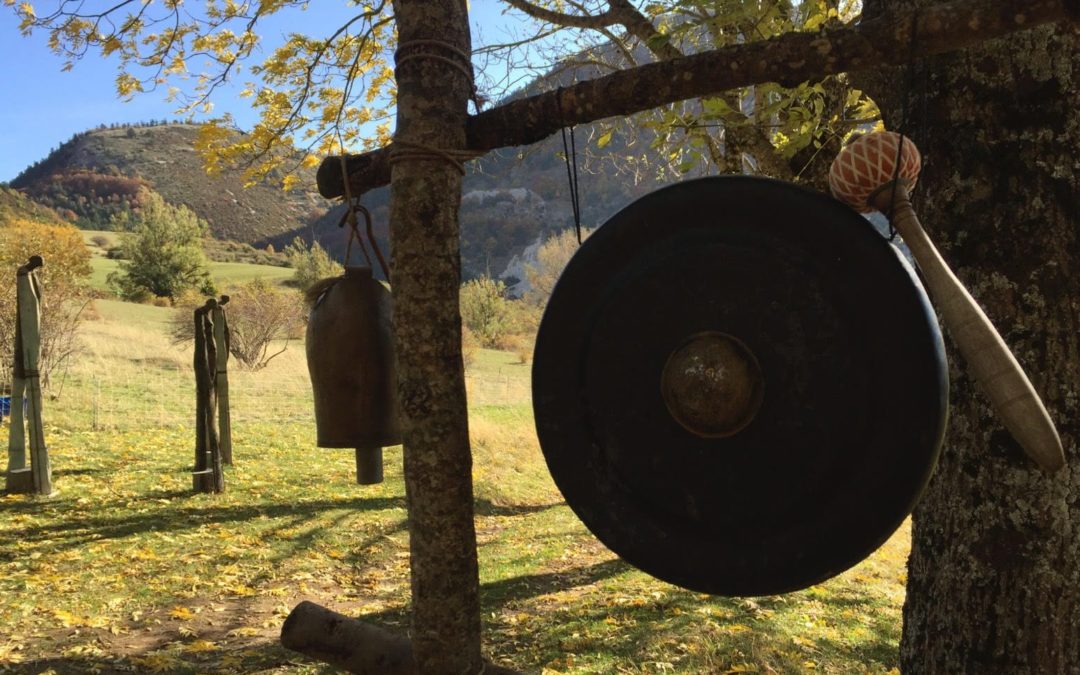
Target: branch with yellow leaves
788,59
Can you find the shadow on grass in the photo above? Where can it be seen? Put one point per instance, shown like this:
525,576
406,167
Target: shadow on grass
260,657
75,530
60,473
485,507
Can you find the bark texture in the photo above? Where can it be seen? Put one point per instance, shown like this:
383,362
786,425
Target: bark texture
425,196
994,572
789,59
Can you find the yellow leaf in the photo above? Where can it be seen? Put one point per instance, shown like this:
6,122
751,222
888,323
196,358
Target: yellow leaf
182,613
201,646
244,631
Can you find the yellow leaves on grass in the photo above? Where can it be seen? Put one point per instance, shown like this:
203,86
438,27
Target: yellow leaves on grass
182,613
68,619
201,646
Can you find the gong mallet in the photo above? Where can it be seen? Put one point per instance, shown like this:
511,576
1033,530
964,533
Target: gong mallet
864,175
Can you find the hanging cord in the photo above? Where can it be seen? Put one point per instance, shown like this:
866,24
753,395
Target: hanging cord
351,207
905,121
354,233
570,155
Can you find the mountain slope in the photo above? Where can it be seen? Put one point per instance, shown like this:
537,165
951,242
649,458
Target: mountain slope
99,172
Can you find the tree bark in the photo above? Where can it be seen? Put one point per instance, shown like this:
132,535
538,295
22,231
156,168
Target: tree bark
425,196
788,59
994,572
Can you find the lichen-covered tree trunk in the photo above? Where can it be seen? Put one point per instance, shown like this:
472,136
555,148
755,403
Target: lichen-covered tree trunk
425,275
994,572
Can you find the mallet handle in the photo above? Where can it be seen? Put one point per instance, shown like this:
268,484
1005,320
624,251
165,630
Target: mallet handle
992,363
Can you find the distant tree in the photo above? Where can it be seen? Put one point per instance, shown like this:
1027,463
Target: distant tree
67,267
311,263
162,250
551,259
485,310
260,314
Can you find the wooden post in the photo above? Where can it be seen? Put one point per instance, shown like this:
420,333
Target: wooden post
222,343
207,476
26,382
19,478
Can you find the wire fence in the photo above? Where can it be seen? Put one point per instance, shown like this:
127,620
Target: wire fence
163,395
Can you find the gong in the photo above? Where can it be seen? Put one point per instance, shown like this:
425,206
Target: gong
739,386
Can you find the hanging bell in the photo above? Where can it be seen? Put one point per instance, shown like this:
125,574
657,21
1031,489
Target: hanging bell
350,355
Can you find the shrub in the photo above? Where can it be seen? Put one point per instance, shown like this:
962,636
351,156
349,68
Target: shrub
64,292
258,314
311,264
485,310
163,252
551,259
99,240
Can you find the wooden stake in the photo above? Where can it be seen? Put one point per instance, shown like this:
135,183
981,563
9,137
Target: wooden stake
207,476
222,342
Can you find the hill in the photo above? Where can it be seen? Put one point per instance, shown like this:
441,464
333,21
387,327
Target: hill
14,205
98,173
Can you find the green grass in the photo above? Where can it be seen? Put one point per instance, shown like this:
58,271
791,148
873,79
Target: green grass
126,570
225,275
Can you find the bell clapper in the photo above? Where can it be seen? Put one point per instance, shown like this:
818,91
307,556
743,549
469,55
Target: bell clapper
369,466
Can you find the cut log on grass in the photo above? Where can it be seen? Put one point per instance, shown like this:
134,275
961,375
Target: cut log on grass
353,646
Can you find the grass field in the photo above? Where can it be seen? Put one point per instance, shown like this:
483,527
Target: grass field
126,570
224,274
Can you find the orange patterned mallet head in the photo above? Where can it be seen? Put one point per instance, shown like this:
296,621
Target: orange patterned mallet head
867,163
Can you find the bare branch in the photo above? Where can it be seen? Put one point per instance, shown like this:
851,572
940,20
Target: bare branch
788,59
608,18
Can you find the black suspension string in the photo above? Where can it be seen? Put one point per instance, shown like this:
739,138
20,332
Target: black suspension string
570,154
905,120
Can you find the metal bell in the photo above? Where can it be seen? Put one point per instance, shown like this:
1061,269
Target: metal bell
350,355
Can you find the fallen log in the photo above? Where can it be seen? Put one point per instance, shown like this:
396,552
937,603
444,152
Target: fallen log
353,646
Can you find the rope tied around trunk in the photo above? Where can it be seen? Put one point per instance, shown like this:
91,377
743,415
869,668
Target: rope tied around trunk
458,59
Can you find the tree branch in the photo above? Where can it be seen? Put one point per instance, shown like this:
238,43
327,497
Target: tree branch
603,20
788,59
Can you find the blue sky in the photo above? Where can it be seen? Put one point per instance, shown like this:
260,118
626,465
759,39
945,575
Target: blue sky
41,106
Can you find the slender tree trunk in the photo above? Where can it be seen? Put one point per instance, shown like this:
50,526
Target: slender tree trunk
425,275
994,572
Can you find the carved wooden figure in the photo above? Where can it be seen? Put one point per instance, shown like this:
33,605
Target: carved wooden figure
26,391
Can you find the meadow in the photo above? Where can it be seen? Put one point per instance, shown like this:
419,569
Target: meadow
125,569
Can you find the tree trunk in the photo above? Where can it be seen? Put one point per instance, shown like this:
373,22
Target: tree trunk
425,275
994,572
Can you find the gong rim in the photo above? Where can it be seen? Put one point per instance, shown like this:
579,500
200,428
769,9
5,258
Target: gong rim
671,501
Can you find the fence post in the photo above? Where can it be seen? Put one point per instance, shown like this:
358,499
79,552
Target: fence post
222,343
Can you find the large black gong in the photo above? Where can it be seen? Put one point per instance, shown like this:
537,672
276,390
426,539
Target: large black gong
739,386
